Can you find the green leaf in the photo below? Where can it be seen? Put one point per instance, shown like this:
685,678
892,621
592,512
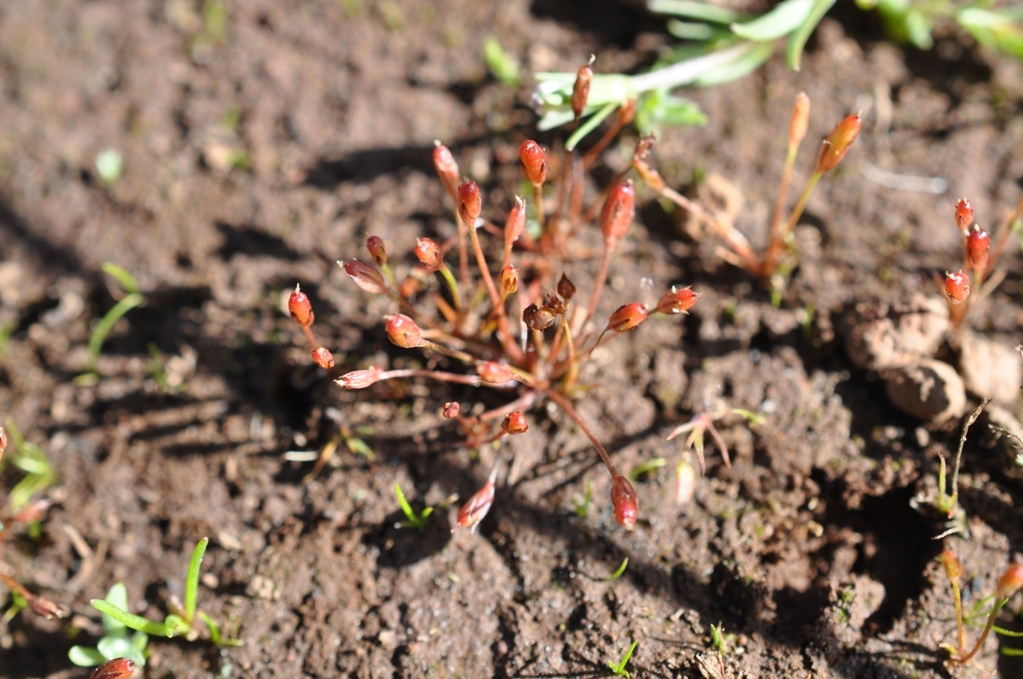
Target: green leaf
690,30
780,21
176,625
647,467
618,573
797,40
136,622
215,636
503,66
660,109
115,647
84,656
694,10
360,447
122,276
995,29
117,595
591,124
918,29
738,68
106,324
192,580
619,669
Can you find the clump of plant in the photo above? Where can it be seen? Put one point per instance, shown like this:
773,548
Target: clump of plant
510,319
978,270
183,621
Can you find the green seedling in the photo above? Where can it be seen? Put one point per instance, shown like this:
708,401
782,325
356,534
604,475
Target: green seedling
946,502
182,621
501,64
618,573
117,641
32,460
619,669
717,639
646,468
132,298
415,520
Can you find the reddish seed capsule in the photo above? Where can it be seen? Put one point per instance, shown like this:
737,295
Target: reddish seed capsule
978,245
470,204
623,499
300,308
952,565
509,280
566,288
964,214
627,317
538,319
366,277
375,245
617,214
835,146
447,169
1010,582
403,331
118,668
533,161
323,358
473,511
581,89
677,301
359,379
451,410
516,222
800,119
957,286
515,423
492,372
429,254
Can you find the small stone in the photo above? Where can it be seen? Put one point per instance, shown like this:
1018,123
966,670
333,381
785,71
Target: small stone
930,390
878,336
990,369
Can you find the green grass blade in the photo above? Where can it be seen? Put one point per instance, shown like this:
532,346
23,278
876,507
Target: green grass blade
780,21
192,581
122,276
797,40
106,324
135,622
618,573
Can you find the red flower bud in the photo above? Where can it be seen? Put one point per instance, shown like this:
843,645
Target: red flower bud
677,301
516,222
627,317
447,169
957,286
118,668
800,119
533,161
623,498
953,568
300,308
366,277
359,379
451,410
581,89
492,372
515,423
473,511
1011,580
323,358
566,288
429,254
375,245
469,203
978,245
617,214
834,147
403,331
964,214
509,280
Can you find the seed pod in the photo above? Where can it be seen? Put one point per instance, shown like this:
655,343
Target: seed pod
323,358
515,423
44,607
509,280
365,276
978,245
447,169
538,319
964,214
581,89
429,254
566,288
470,204
118,668
833,148
534,162
473,511
300,308
403,331
627,317
1010,582
800,119
375,245
957,286
492,372
623,499
359,379
952,565
451,410
516,222
677,300
555,306
617,214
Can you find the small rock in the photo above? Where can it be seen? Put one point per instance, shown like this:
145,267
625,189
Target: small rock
930,390
879,336
990,369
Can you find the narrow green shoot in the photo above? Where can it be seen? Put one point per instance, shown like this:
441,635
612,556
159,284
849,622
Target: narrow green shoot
946,502
415,520
619,669
32,460
500,63
132,299
192,580
717,639
649,467
116,641
618,573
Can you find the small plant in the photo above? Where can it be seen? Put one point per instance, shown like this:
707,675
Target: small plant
414,520
1009,583
132,297
946,501
698,427
32,460
619,571
116,641
181,622
618,669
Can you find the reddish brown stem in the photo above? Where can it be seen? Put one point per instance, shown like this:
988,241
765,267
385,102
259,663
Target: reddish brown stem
571,412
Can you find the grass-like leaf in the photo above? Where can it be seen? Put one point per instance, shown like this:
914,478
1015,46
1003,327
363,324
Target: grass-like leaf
192,580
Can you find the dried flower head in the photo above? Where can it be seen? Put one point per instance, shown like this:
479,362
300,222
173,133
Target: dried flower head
300,308
581,88
957,286
470,204
538,319
533,161
515,423
677,301
834,148
624,501
566,288
618,212
403,331
429,255
447,169
451,410
473,511
359,379
365,276
509,280
627,317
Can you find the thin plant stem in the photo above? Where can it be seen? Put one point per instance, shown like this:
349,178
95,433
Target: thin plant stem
731,235
797,211
463,253
777,238
538,203
563,403
504,336
960,629
598,285
987,630
449,278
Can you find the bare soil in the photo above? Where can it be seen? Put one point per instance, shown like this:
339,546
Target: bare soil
256,156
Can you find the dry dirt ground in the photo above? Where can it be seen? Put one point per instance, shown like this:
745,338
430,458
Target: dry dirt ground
258,152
